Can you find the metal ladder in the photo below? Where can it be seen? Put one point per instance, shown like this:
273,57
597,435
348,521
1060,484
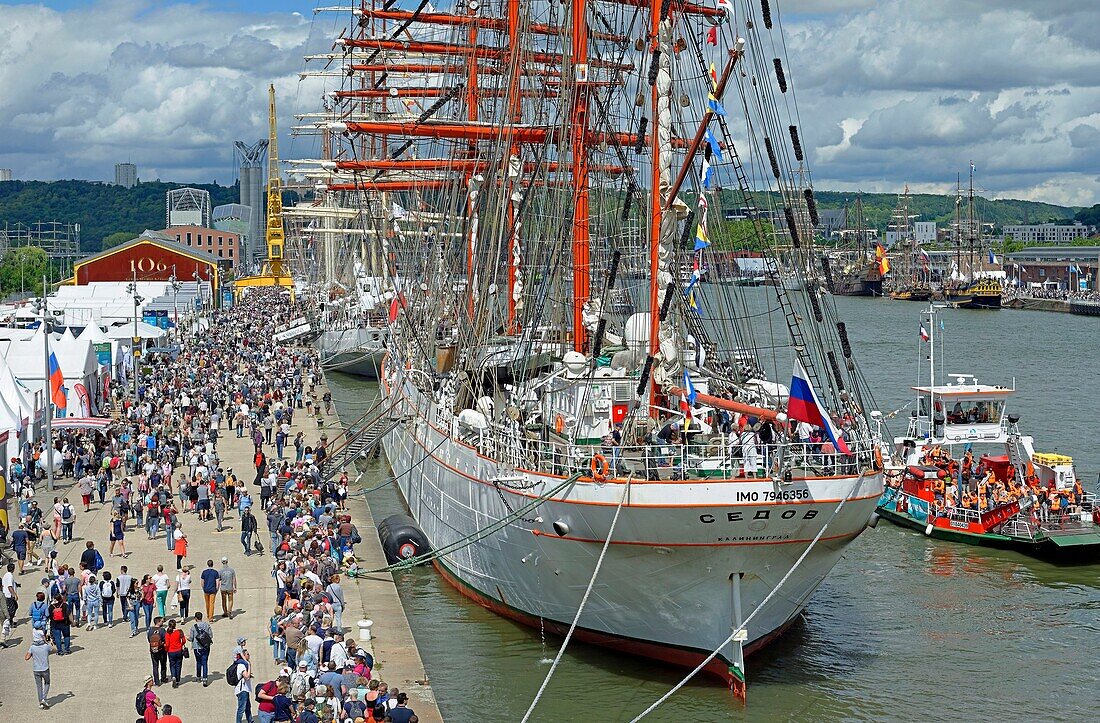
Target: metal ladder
361,438
794,326
1015,457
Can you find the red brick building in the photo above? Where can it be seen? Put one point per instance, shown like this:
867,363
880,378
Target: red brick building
222,244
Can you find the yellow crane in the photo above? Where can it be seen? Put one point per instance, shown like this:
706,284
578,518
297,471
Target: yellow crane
272,272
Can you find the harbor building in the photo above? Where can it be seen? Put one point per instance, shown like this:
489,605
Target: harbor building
187,207
152,256
1047,233
924,232
222,244
125,175
1065,268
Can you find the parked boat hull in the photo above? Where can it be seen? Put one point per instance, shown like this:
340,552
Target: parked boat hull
664,589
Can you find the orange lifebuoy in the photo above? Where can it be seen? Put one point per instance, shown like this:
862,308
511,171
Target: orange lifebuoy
559,424
598,467
878,458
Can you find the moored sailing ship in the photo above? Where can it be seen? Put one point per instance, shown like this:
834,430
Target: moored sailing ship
552,146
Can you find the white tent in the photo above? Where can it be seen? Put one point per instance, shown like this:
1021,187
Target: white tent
79,365
124,332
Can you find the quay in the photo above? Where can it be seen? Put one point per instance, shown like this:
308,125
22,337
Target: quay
107,666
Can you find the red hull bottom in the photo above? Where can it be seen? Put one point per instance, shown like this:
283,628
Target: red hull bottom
682,657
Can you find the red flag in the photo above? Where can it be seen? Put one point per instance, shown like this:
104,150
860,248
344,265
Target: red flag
397,304
712,35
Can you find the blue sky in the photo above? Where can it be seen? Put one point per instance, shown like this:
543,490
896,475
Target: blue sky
894,92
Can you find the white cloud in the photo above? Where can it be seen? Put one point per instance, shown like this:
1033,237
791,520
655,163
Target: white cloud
892,91
168,87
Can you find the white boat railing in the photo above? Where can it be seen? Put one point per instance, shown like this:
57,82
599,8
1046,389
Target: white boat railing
721,457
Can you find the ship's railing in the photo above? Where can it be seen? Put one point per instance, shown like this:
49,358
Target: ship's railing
719,457
962,514
1019,527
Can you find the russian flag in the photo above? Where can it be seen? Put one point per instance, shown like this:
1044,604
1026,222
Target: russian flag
57,381
804,406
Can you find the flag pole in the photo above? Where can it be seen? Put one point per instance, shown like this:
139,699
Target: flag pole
47,398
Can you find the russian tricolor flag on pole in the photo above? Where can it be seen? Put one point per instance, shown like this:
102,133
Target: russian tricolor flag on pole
804,406
57,381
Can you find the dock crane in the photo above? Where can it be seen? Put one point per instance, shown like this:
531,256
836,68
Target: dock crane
272,272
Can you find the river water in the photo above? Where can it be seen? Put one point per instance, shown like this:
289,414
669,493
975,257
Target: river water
904,627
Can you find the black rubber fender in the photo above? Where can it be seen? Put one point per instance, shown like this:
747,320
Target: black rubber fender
402,538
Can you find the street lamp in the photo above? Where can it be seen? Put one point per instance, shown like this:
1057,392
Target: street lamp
135,342
176,285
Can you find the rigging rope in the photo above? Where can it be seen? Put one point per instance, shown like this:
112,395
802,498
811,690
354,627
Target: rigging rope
769,596
584,601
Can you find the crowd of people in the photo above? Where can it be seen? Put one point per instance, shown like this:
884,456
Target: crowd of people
973,484
160,472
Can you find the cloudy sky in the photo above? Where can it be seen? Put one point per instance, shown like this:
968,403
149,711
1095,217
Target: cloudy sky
893,91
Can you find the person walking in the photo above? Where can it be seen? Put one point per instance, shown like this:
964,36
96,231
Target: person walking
148,596
61,619
151,701
243,689
117,536
123,582
39,655
11,597
108,590
219,511
210,578
202,638
227,584
68,519
167,716
248,527
183,592
160,581
174,641
335,595
180,548
133,605
92,601
157,653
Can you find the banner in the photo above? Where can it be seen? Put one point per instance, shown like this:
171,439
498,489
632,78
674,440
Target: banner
83,399
292,333
103,353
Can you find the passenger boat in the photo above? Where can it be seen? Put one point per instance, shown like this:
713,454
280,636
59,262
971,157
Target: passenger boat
964,473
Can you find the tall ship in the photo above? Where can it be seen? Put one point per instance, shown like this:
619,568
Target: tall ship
911,279
975,281
859,264
675,476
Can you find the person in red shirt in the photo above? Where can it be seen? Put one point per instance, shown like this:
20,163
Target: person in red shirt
168,716
266,694
173,643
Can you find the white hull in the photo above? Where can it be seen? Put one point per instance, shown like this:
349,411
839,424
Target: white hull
352,351
665,583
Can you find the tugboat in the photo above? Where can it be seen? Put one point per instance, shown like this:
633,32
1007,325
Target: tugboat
964,473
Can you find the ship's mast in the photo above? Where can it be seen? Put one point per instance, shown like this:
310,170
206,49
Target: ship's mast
581,281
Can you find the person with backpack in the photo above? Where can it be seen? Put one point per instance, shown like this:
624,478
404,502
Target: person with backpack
147,701
91,559
202,638
39,612
157,653
61,625
239,675
107,593
68,519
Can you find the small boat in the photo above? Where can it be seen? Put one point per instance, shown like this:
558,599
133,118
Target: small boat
964,473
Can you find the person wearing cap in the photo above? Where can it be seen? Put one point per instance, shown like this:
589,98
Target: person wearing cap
300,681
152,701
402,713
240,646
243,689
39,655
227,583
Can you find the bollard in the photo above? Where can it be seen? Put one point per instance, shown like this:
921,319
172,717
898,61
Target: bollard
364,630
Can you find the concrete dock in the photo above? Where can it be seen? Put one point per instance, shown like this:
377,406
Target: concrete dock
107,668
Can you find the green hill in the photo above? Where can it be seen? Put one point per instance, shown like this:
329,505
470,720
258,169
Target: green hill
100,209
